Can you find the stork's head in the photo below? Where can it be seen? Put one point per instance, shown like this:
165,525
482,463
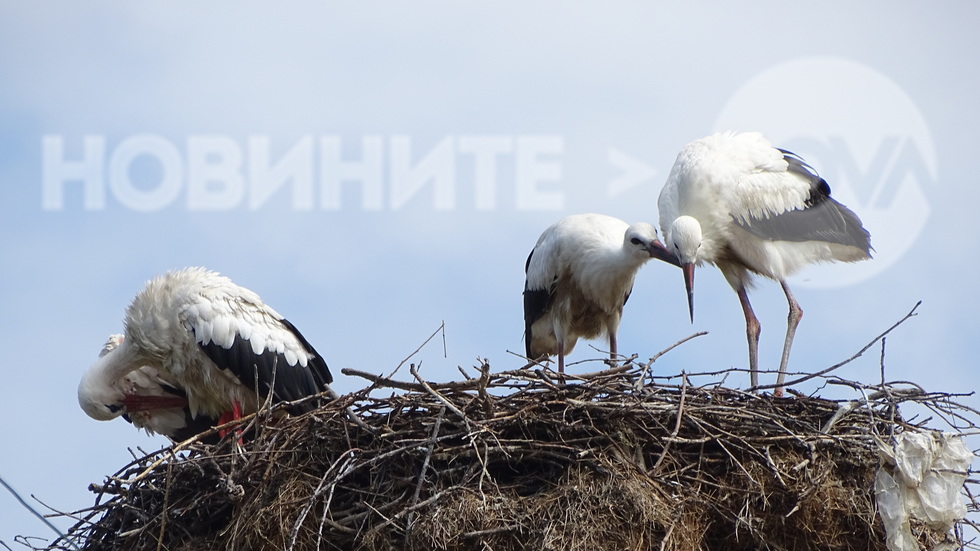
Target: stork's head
99,399
97,396
684,241
642,240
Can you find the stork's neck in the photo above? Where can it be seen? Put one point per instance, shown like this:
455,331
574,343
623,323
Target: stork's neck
627,258
97,390
610,275
117,362
611,263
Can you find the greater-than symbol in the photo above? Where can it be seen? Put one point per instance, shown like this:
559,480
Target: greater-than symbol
634,172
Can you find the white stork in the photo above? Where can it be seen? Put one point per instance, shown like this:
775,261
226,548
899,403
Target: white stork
579,276
147,399
216,341
735,201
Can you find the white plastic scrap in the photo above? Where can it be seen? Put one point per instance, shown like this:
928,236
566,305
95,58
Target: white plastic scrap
921,476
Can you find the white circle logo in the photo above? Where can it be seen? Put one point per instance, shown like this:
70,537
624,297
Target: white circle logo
862,133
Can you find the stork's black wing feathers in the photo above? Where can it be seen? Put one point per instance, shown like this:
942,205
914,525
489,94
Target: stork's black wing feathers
821,219
194,426
626,297
321,373
270,370
536,303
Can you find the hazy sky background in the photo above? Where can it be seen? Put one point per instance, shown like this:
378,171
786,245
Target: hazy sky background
476,125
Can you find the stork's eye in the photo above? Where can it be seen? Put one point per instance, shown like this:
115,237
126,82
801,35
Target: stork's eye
113,407
636,241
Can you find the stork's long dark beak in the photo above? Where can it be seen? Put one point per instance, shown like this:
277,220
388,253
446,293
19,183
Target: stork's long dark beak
658,251
689,284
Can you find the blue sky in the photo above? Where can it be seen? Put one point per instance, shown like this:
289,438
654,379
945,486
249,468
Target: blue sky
489,122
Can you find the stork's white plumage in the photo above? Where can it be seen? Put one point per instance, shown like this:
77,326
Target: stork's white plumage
579,276
216,341
735,201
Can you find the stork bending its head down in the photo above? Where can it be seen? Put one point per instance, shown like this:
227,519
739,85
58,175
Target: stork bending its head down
145,397
201,342
579,276
735,201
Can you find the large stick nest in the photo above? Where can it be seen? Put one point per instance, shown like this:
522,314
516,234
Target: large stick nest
518,460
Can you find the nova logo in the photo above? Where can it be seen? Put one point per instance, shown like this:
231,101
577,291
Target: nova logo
863,134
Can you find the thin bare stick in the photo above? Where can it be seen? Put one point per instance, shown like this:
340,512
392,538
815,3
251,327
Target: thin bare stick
646,366
442,328
342,470
386,382
170,452
857,355
425,467
33,511
437,396
166,500
445,351
677,425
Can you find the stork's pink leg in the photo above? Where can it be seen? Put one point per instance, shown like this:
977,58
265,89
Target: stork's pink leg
795,315
234,415
226,417
752,330
612,345
561,358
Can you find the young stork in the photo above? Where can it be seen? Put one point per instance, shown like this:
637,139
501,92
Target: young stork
216,341
150,400
579,276
735,201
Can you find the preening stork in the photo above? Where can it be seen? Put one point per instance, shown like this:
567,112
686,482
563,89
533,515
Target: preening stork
216,342
735,201
579,276
149,399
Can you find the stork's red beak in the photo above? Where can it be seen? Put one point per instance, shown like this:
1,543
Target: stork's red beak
658,251
139,402
689,285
